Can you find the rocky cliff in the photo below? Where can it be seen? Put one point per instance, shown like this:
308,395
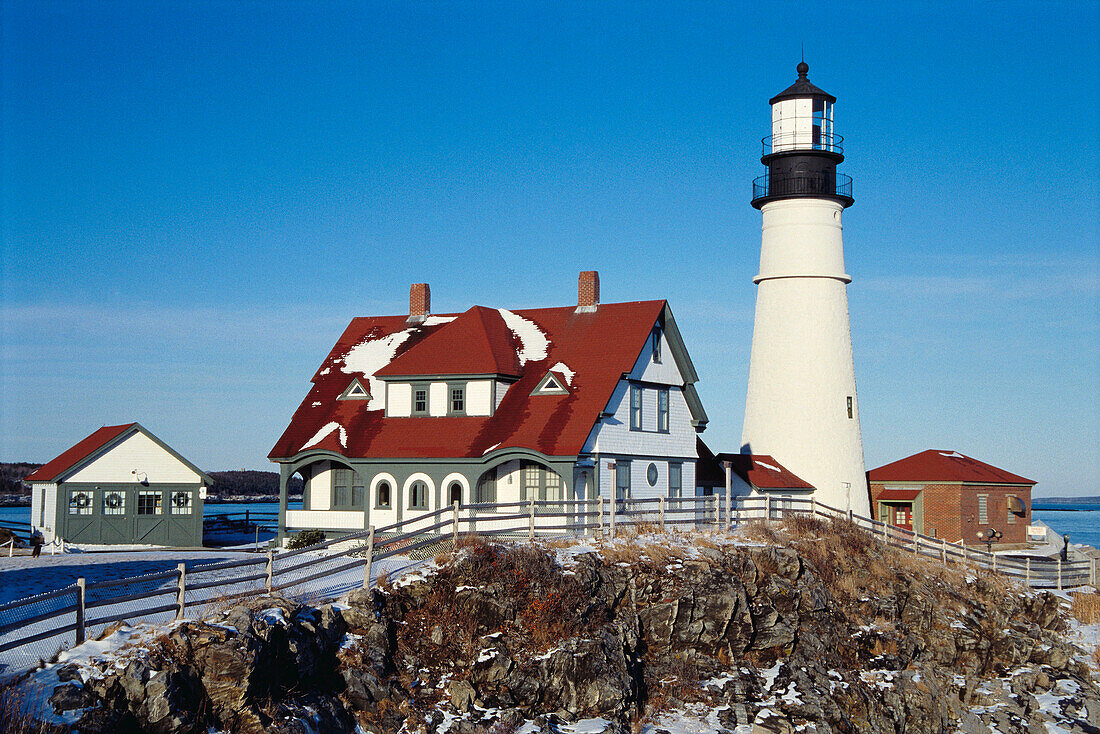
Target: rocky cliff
816,629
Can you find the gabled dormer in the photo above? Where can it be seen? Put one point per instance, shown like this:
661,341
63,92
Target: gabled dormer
355,391
462,369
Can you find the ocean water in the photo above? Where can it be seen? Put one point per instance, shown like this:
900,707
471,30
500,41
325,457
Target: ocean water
1081,525
1080,522
23,514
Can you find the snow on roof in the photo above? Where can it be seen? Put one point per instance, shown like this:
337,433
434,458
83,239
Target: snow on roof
371,355
591,351
763,471
532,340
564,371
324,432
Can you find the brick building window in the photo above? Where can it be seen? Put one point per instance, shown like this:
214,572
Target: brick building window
983,509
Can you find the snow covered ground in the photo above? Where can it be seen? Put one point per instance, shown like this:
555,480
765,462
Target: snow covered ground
24,577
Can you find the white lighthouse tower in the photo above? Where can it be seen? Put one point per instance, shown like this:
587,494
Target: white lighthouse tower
802,406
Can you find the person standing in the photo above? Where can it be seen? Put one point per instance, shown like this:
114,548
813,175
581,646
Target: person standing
37,541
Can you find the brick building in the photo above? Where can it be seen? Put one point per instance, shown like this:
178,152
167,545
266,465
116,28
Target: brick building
951,496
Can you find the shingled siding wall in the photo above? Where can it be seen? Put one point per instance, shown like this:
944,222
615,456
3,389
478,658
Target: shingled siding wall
951,510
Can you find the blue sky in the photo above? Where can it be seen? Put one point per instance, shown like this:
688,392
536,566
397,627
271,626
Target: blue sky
197,197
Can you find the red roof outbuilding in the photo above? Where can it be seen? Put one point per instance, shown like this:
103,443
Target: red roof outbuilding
937,465
84,448
764,472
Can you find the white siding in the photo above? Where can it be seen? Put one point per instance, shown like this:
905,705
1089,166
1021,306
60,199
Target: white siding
501,389
399,399
664,372
141,454
479,397
338,519
320,487
639,482
380,516
612,435
437,399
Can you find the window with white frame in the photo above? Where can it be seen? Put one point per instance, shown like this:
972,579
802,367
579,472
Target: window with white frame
181,502
80,501
662,410
382,495
418,495
635,408
114,502
149,502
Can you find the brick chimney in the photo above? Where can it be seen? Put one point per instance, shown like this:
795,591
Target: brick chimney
420,303
588,291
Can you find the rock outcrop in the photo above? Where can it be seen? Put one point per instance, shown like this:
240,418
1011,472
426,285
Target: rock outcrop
829,632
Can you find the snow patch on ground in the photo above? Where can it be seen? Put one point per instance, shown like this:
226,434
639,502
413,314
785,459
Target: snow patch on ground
325,431
533,344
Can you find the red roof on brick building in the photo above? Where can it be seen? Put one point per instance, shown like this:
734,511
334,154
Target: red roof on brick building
936,465
590,351
84,448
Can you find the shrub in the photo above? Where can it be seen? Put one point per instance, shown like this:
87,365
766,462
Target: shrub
305,539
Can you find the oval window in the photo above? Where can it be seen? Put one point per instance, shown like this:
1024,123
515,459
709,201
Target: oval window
651,475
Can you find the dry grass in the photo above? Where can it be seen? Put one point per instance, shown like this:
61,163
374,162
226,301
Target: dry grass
1085,608
17,705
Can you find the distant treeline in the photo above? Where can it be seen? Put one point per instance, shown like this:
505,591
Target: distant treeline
236,483
244,482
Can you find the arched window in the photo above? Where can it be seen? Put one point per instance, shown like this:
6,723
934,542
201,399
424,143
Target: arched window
382,496
454,493
418,495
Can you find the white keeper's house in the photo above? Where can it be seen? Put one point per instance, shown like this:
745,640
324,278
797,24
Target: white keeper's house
411,413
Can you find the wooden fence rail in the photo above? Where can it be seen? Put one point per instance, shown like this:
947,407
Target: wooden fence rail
68,607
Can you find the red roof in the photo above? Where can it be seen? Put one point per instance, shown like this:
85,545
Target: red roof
902,495
476,343
599,347
936,465
51,470
764,472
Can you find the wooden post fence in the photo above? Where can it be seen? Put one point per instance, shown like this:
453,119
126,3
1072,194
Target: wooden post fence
270,570
370,558
181,599
81,592
454,521
600,517
1027,571
717,513
661,511
614,504
1059,573
943,551
531,522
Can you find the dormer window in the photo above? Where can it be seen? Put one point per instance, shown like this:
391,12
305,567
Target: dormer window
420,400
551,384
457,399
355,391
655,345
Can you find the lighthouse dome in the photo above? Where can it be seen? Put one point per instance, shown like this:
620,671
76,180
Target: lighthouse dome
802,88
